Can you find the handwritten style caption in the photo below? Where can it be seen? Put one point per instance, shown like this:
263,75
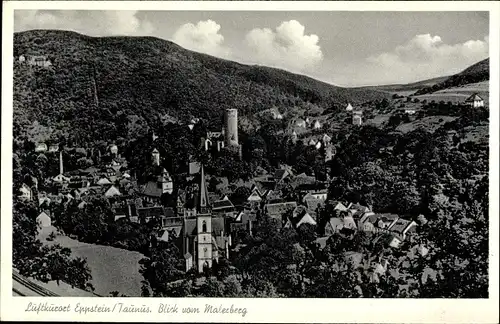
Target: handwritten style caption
130,308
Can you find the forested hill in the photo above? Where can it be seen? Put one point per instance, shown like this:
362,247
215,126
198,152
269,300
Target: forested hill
475,73
141,78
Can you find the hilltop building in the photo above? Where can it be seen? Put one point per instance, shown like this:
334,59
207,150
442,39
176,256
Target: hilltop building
36,60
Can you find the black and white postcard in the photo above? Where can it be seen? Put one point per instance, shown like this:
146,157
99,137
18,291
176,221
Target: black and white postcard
250,162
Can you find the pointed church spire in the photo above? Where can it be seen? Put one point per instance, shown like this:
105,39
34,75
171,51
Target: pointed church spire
203,198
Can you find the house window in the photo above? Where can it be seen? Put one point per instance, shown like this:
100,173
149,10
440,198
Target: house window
205,251
204,227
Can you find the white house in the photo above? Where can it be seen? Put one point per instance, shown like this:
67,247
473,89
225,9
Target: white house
60,178
25,192
43,220
317,125
357,118
41,147
300,123
349,107
255,195
103,182
112,191
306,219
475,101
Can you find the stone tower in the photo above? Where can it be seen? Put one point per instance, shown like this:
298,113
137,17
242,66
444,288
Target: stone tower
155,156
231,125
204,226
166,183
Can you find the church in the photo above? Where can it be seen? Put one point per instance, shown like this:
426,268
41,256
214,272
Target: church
204,239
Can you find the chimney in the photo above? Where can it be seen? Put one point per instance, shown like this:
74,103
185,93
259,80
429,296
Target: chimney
61,169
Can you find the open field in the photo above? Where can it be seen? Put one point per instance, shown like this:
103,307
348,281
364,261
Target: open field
112,269
459,94
430,123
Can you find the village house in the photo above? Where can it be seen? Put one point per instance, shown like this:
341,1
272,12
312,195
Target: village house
474,101
43,220
277,210
25,192
281,174
348,107
36,60
112,191
40,147
53,148
152,191
299,122
357,117
223,207
244,221
320,194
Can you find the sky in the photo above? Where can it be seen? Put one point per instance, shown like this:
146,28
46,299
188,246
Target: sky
341,48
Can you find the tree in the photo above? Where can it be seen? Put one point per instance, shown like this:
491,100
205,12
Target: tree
240,195
31,258
163,267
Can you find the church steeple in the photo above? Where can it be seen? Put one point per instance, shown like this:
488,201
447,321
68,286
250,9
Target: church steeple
204,253
203,201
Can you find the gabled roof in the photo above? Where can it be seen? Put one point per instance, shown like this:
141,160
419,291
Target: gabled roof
349,222
313,203
306,219
103,181
222,204
474,97
280,174
348,107
151,189
112,191
336,223
255,195
280,208
401,225
190,226
337,205
358,207
42,215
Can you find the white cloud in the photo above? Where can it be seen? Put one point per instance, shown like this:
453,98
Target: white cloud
93,23
286,47
203,37
425,56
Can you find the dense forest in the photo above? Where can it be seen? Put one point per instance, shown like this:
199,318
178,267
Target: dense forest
109,85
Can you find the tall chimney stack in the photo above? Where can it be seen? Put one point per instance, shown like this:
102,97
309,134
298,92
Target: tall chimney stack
61,169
